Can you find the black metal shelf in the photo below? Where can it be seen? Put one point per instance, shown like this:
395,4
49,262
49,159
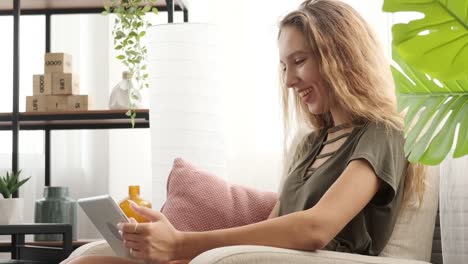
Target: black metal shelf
21,251
64,7
16,121
94,119
42,7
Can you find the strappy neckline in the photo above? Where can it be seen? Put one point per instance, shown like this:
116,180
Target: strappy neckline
310,170
340,127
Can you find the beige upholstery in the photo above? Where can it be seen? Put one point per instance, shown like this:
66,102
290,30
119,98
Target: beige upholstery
411,240
100,248
259,255
270,255
414,229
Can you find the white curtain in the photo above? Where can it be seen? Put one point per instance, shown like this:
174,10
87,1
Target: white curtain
454,210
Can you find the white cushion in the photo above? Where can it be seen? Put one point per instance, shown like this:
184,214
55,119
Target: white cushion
414,229
271,255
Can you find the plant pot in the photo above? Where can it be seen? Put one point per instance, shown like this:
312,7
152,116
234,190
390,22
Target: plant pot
11,211
55,207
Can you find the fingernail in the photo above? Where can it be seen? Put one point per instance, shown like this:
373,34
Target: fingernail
119,226
133,203
120,233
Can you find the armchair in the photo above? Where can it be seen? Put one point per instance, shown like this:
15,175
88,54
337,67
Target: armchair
411,241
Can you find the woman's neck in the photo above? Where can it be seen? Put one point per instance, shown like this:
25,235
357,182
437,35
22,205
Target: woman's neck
340,117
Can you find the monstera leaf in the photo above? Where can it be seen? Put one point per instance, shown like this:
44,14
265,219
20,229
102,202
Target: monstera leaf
436,44
435,111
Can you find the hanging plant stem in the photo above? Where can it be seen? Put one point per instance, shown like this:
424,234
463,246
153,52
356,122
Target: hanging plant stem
129,31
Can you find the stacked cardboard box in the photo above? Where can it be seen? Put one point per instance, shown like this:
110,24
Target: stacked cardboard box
58,88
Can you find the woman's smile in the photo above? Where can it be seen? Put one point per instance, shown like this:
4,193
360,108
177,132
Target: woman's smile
304,92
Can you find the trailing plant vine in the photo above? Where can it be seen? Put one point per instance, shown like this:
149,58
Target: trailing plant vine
128,31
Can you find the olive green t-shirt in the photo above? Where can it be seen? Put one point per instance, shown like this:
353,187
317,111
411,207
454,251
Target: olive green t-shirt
368,232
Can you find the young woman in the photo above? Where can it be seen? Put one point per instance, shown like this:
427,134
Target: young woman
347,178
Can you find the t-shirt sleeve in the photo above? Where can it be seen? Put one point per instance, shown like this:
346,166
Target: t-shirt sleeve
384,150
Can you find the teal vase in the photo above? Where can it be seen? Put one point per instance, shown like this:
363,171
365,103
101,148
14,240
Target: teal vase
55,207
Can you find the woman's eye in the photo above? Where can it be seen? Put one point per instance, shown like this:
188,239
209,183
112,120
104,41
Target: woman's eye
299,61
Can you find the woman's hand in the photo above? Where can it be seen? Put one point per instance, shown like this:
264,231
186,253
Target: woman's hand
156,241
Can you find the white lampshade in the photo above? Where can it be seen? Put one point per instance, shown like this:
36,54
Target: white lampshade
185,101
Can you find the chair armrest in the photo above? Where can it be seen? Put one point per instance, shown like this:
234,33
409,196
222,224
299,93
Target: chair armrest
271,255
258,255
100,248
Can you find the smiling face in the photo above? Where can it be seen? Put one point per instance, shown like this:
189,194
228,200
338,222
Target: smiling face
301,70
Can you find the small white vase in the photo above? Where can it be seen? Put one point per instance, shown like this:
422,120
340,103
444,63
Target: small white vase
11,211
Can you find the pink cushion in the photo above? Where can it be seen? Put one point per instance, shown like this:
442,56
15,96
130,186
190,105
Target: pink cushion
199,201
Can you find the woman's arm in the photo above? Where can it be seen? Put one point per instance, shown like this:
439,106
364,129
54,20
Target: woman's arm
306,230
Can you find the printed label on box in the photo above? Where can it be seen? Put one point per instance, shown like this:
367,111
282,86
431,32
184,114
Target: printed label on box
37,103
65,84
78,102
57,63
42,84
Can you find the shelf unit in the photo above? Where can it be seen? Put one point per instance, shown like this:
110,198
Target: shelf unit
20,249
100,119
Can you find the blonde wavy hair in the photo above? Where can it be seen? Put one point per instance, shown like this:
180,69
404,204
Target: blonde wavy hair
354,69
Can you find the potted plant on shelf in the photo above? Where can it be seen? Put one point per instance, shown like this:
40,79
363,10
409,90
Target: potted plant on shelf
129,31
11,208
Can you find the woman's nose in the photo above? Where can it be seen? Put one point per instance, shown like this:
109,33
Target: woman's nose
290,79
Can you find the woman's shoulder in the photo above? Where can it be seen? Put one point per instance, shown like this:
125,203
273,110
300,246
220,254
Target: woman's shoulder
311,137
301,142
381,131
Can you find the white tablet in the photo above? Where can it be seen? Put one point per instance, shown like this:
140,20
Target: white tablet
105,214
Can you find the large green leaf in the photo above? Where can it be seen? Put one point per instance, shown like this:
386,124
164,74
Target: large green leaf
434,112
436,44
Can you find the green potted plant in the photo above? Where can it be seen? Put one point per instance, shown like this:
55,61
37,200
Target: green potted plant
129,31
432,87
11,208
432,81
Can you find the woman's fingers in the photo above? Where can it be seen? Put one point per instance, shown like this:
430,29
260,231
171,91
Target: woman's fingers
132,228
131,237
153,241
139,254
132,244
150,214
